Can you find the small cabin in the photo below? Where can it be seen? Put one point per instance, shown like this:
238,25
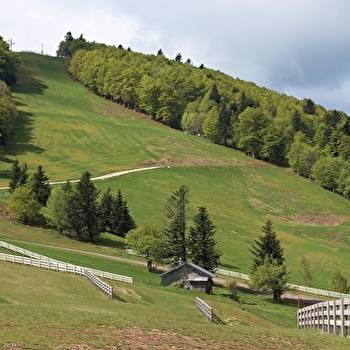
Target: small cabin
190,276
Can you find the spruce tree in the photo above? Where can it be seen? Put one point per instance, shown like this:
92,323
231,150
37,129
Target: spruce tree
40,186
120,220
83,209
176,231
267,247
106,205
19,175
201,243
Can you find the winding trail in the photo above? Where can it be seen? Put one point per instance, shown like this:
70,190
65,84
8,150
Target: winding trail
102,177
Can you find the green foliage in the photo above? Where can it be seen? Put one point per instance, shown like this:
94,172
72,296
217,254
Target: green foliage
8,63
267,248
176,211
271,275
58,207
340,283
326,172
83,209
8,114
40,186
304,267
18,176
24,206
201,243
148,242
233,289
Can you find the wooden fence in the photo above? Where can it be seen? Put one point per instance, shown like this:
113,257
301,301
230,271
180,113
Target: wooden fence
205,309
329,316
303,289
62,266
102,286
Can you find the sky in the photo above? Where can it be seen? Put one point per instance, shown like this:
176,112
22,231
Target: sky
297,47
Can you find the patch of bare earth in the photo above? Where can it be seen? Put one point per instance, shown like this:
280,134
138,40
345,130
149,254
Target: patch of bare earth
315,220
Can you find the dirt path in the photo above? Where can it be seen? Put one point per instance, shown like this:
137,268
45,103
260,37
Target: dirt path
102,177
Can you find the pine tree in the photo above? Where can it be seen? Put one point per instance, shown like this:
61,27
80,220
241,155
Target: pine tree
201,241
106,206
83,209
120,220
267,247
40,186
19,175
176,231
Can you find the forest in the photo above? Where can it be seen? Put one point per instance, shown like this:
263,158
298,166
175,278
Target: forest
262,123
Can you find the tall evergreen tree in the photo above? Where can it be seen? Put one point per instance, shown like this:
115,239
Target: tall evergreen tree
201,243
176,231
19,175
268,247
121,222
83,212
40,186
106,205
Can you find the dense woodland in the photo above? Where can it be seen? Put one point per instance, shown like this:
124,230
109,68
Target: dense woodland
264,124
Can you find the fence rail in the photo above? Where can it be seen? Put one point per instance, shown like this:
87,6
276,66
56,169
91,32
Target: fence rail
205,309
321,292
329,316
102,286
65,267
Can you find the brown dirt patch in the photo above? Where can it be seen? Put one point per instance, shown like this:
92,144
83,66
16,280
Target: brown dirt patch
315,220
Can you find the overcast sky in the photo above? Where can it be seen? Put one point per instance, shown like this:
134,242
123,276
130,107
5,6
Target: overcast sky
298,47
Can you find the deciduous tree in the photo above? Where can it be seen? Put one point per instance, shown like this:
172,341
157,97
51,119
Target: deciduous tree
148,242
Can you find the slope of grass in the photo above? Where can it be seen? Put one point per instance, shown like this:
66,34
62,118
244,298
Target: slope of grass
64,311
69,130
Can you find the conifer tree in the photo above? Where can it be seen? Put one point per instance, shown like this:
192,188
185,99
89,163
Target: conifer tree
40,186
83,209
176,231
19,175
268,247
201,243
120,220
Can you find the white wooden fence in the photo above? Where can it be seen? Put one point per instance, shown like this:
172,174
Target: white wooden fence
102,286
329,316
62,266
205,309
296,287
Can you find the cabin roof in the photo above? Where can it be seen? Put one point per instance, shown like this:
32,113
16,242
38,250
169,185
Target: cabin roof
192,266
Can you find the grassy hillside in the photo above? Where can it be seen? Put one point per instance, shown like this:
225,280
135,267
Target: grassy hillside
68,130
56,311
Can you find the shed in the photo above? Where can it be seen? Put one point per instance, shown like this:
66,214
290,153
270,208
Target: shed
197,277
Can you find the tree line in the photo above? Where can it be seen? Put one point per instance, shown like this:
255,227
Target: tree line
75,210
9,62
264,124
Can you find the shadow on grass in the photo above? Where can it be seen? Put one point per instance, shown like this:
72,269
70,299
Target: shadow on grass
107,242
22,139
29,85
117,297
229,267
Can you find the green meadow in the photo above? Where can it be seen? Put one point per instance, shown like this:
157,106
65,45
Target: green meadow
69,130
